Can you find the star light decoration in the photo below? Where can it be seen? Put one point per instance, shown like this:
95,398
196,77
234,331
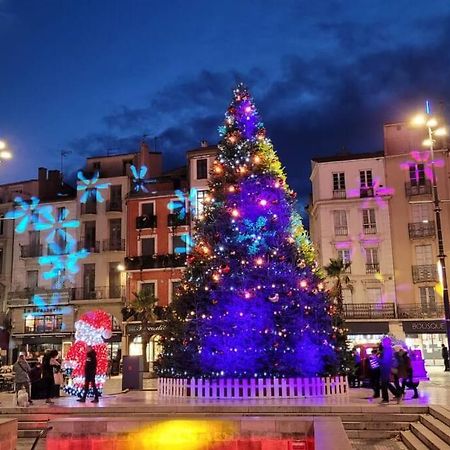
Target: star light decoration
91,187
139,180
30,213
425,159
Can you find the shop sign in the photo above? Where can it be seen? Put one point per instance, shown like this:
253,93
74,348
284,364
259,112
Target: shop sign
424,326
136,328
44,310
367,327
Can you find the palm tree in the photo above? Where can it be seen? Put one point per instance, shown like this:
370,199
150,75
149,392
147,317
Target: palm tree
144,306
337,270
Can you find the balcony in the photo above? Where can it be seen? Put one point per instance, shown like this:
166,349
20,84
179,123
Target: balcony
89,208
114,206
340,231
419,311
23,296
155,261
366,191
174,220
370,228
57,249
90,246
419,230
372,268
97,293
339,193
369,311
30,251
412,189
424,273
114,245
145,221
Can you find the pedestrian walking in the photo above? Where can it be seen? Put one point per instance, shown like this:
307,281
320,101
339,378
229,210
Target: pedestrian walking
90,369
386,365
49,365
22,371
374,372
408,381
445,358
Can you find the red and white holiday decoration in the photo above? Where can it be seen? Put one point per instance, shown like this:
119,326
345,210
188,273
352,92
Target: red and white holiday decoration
91,330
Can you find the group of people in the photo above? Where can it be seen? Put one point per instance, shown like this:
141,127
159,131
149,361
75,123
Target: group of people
51,375
391,371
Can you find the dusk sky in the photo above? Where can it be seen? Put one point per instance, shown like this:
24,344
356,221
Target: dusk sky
88,76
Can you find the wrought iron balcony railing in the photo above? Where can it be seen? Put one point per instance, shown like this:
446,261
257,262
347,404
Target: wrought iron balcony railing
421,229
419,311
414,188
366,191
339,193
146,221
114,205
57,249
424,273
372,268
31,251
114,245
369,311
340,231
89,208
155,261
90,246
97,293
370,228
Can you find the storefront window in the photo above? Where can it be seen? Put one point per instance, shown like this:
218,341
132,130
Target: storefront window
43,324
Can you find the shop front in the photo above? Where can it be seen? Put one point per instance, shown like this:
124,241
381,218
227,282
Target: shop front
427,336
363,333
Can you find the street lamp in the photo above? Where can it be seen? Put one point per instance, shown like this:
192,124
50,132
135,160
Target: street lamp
432,126
4,152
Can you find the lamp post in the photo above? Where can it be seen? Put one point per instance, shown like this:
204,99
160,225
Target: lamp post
433,129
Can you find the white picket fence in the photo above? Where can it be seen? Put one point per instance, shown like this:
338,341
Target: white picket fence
253,387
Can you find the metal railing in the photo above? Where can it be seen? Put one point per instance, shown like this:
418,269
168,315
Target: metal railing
97,293
155,261
340,231
369,311
366,191
424,273
57,250
31,251
421,229
89,208
113,245
370,228
90,246
372,268
339,193
419,311
412,189
145,221
114,205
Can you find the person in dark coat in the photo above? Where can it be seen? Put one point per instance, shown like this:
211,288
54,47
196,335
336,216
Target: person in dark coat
90,369
445,358
408,381
49,364
374,371
386,364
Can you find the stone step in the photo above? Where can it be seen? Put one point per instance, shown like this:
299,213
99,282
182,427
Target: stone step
383,426
437,427
412,441
31,425
432,441
440,413
27,434
371,434
379,417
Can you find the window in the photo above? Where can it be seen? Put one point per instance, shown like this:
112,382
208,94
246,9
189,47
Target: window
2,223
148,209
1,260
340,223
149,288
89,281
365,178
43,324
200,199
424,255
115,194
179,244
417,174
148,246
427,299
373,295
372,262
115,234
114,280
89,235
420,213
369,222
344,255
339,181
202,169
32,279
174,285
61,213
347,296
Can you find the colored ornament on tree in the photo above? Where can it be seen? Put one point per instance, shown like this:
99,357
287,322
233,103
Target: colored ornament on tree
91,330
249,303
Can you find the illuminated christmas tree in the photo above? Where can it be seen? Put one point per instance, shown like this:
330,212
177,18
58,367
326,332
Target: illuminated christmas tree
251,302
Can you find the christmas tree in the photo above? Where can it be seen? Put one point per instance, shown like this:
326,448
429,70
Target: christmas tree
251,302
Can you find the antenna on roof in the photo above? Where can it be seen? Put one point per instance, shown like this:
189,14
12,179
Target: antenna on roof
63,154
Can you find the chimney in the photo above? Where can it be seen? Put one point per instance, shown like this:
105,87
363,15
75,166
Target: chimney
203,143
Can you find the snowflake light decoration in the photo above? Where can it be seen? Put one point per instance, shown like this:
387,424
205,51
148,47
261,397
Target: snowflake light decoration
425,159
186,238
91,187
30,213
254,233
139,180
379,194
184,203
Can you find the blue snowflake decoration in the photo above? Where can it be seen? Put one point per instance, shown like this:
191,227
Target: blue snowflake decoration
139,180
255,235
41,303
30,213
64,266
180,204
187,239
91,188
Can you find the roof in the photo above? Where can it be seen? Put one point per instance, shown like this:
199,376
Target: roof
347,156
19,182
209,148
